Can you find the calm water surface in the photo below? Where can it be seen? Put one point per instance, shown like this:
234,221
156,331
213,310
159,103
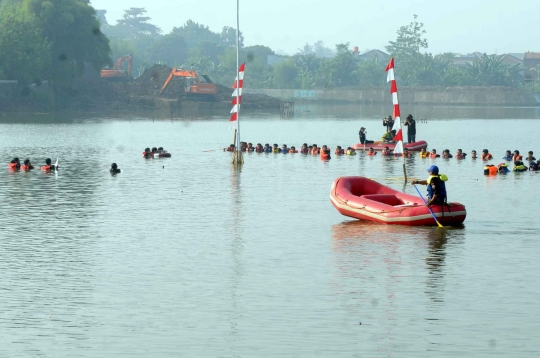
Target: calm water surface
187,257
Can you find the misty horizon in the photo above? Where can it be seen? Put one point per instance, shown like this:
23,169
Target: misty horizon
464,27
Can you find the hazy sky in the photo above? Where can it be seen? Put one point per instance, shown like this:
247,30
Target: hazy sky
463,26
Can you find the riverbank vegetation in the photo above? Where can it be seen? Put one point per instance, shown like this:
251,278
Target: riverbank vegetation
58,40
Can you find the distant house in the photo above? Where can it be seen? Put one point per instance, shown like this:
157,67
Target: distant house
461,60
381,56
510,60
531,61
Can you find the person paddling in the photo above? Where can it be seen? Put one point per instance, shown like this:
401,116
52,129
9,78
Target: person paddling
436,187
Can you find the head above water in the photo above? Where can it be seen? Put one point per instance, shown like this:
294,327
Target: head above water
114,166
433,169
147,150
530,152
26,161
485,151
15,160
154,149
48,161
160,148
516,152
433,151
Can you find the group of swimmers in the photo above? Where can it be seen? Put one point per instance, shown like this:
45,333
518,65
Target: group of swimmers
323,151
155,152
509,156
15,165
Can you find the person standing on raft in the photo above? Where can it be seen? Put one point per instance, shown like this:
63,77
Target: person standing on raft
411,128
436,187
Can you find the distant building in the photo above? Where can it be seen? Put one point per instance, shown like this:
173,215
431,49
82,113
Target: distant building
531,61
381,56
461,60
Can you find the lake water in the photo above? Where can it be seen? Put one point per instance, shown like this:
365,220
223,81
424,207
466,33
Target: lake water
188,257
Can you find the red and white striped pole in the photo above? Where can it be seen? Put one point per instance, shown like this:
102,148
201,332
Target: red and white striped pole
397,115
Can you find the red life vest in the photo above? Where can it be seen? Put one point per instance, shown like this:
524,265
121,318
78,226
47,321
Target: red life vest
486,156
27,167
434,156
371,154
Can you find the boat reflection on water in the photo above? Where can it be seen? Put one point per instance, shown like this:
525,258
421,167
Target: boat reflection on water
390,253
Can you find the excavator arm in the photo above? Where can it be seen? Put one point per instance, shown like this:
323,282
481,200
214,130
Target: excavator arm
171,75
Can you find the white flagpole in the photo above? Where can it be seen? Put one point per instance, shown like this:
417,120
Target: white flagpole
239,158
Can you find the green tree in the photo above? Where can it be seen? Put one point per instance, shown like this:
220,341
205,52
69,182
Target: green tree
228,37
285,74
24,52
310,71
134,24
343,67
490,70
406,51
195,33
171,49
371,73
74,34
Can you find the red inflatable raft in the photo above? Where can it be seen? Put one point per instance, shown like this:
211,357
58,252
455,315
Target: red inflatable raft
412,147
365,199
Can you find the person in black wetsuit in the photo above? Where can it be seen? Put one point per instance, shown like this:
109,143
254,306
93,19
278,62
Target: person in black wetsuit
411,128
362,135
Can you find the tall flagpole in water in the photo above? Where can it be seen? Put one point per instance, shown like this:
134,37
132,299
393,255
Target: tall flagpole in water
237,154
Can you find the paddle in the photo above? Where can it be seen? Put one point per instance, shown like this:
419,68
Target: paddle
424,200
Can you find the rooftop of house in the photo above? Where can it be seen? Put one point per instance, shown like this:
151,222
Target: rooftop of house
531,55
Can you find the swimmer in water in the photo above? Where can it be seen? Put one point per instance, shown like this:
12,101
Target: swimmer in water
114,169
27,165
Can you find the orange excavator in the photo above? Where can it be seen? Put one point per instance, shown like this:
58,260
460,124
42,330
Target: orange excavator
118,74
193,83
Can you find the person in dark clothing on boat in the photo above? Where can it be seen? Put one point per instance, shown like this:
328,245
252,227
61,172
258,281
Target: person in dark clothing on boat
411,128
362,135
435,186
388,122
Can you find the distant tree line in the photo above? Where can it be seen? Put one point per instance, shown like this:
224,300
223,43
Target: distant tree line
57,40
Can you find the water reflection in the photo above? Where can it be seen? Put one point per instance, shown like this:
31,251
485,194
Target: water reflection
237,250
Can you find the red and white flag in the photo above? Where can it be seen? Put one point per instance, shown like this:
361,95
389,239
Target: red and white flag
237,94
397,120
